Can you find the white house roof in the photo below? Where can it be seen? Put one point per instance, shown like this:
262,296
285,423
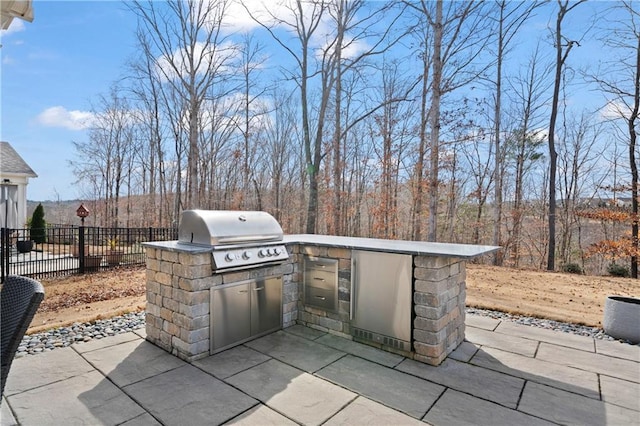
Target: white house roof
15,9
12,163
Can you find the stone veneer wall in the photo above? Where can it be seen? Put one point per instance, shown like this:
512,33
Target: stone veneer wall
439,302
178,298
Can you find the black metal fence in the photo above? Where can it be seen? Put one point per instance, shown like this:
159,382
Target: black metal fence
63,250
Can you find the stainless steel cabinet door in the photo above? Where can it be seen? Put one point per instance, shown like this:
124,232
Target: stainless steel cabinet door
230,315
381,293
266,305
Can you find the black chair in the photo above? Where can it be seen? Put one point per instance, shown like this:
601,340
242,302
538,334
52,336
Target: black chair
20,298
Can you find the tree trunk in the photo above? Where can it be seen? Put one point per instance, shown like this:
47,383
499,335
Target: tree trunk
634,165
434,124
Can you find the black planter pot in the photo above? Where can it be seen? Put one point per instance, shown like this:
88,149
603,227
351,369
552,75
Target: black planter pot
24,246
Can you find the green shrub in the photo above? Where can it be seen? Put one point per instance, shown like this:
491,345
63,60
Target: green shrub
38,225
617,270
572,268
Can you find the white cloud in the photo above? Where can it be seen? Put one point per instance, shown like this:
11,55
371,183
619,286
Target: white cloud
350,48
16,26
7,60
614,110
59,116
216,58
238,17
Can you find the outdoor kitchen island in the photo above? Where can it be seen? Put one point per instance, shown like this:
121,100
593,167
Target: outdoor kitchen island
419,315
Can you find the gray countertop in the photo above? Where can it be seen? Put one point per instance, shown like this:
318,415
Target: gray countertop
463,251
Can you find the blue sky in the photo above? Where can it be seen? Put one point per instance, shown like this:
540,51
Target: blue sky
52,68
74,51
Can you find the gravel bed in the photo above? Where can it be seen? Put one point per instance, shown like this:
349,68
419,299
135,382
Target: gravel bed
79,332
580,330
85,332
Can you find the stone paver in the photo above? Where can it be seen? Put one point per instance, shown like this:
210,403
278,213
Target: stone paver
501,341
232,361
6,416
365,412
306,332
550,336
294,393
88,398
464,352
361,350
569,408
34,371
392,388
539,371
457,408
186,395
299,352
481,382
267,381
480,321
615,367
618,350
132,361
263,416
142,332
142,420
621,392
95,344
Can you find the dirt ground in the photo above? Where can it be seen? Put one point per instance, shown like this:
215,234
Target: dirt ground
563,297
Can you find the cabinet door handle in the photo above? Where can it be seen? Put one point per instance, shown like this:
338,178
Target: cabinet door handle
318,279
321,297
354,277
243,291
258,289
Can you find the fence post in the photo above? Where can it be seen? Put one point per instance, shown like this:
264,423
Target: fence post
5,254
81,253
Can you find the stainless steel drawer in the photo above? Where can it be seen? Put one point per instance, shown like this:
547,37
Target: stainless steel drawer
320,297
320,264
322,279
321,283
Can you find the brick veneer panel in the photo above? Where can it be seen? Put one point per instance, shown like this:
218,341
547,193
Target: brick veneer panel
439,302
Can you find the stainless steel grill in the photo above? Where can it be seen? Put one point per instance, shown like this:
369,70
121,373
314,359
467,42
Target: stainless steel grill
238,239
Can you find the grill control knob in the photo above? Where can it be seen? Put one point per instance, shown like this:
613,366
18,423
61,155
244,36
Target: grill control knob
230,257
262,253
276,251
247,255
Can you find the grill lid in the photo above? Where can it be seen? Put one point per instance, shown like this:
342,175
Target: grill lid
225,227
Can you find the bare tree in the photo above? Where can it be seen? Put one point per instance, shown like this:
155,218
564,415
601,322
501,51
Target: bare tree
108,150
390,131
327,64
563,46
577,161
522,145
190,52
456,38
620,81
511,17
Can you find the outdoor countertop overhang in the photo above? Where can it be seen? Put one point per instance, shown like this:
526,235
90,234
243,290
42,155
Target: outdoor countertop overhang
421,248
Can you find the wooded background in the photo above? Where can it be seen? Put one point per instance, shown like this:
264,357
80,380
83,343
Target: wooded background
420,120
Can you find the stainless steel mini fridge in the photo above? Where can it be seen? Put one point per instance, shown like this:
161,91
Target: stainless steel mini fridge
381,296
